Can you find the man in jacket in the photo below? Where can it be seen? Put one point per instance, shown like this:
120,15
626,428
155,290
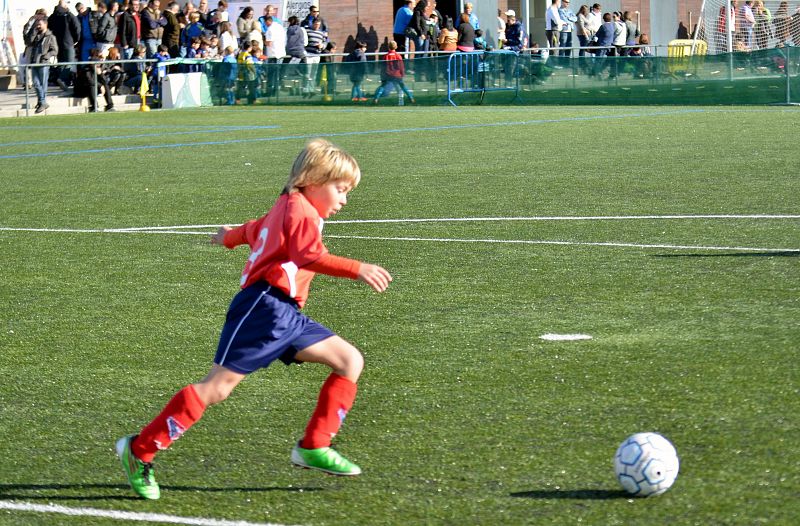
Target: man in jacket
43,49
106,31
172,29
65,27
130,29
152,26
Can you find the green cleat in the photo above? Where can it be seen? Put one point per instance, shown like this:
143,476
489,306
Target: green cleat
140,474
324,459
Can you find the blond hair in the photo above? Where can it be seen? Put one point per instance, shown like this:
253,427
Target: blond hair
321,162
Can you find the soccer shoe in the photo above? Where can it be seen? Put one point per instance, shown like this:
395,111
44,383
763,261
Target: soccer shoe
140,474
324,459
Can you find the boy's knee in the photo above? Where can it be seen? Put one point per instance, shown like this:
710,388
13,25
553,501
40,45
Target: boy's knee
211,393
352,363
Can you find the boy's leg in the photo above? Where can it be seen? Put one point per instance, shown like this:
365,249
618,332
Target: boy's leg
184,409
405,90
335,400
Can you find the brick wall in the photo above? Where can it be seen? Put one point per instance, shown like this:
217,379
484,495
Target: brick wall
350,20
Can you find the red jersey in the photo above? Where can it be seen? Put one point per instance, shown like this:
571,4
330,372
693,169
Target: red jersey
286,248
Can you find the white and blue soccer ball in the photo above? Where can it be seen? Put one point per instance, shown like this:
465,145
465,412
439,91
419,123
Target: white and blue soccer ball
646,464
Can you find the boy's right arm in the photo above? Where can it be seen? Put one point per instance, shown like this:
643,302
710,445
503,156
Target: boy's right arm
231,237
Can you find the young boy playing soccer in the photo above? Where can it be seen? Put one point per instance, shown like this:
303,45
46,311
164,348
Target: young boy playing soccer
264,322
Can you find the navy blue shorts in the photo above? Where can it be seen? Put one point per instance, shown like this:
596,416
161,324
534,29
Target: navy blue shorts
263,325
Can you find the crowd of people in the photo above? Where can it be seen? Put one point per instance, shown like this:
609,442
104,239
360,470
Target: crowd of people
111,30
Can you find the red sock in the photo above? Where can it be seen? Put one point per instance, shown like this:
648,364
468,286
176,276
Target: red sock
335,399
178,415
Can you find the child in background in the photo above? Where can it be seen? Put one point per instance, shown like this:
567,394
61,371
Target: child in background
395,70
264,322
479,41
247,72
213,47
135,70
194,29
357,66
230,72
160,71
191,53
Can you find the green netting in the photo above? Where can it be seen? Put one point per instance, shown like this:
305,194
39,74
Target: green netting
758,77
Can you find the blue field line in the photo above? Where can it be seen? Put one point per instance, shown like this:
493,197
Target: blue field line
358,133
129,127
157,134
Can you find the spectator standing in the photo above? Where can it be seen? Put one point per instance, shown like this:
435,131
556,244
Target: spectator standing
565,38
315,46
248,27
106,28
466,35
393,74
193,30
43,49
226,38
516,37
448,36
313,14
172,29
202,8
746,23
620,34
275,44
67,30
401,21
230,71
432,31
416,29
781,21
553,24
582,29
130,29
269,11
595,19
185,12
247,72
762,31
605,42
357,68
472,17
86,43
631,31
159,70
152,26
500,29
296,42
316,39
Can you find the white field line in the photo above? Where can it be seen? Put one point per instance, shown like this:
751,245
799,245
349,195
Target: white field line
568,218
174,228
567,243
124,515
428,239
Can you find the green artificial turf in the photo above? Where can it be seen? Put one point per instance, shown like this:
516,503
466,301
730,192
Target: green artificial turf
464,415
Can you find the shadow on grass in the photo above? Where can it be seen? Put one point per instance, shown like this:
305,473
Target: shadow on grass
782,254
82,491
580,494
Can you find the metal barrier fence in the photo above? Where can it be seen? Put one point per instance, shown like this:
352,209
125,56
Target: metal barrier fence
480,72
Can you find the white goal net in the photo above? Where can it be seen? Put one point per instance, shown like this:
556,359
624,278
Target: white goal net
748,26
